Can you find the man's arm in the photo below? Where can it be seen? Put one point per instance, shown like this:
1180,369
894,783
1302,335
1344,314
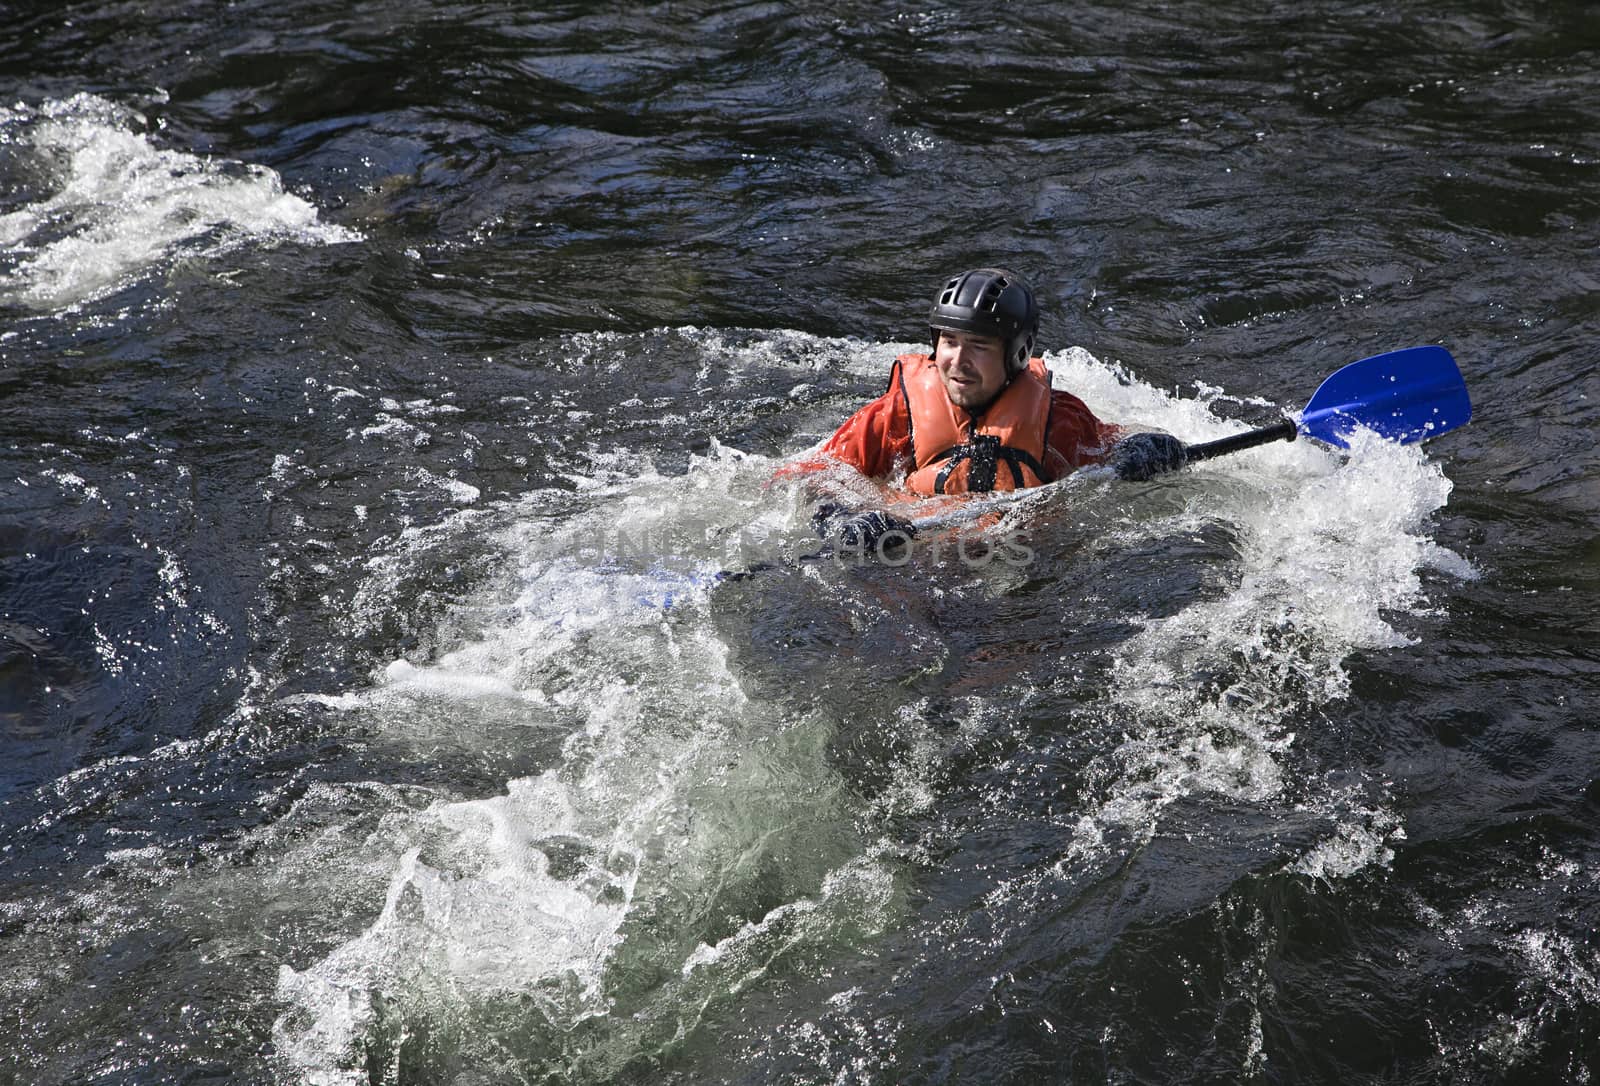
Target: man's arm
853,466
1079,439
846,479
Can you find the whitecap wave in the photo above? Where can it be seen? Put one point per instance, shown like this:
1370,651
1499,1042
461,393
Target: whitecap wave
681,830
682,836
120,206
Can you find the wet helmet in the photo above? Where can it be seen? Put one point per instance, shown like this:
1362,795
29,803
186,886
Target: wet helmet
990,302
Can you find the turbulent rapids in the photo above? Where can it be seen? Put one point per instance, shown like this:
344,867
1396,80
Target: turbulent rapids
737,788
387,393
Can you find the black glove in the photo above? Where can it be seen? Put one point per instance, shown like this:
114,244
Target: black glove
865,530
863,533
828,517
1139,456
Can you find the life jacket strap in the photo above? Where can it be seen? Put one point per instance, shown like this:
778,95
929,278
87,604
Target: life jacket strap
986,452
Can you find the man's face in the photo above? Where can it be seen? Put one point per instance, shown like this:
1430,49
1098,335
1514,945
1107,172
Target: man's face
973,368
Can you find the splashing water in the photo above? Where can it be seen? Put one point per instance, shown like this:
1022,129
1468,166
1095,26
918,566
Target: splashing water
1328,550
680,829
119,205
684,833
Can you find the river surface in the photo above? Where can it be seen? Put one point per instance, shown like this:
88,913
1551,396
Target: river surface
382,386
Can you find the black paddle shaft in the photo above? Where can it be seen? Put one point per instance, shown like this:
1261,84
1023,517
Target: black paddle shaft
1283,430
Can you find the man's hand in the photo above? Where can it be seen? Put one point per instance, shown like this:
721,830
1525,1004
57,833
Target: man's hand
1139,456
862,531
865,531
827,517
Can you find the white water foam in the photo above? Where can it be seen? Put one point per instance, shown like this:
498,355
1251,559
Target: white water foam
637,880
120,205
1330,548
495,921
659,821
1364,841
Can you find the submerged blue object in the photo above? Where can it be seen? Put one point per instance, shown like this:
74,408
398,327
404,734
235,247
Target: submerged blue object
1405,396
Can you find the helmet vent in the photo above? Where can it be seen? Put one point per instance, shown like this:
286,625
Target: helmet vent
990,298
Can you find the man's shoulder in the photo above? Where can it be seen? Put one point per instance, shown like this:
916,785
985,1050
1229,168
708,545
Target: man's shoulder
1060,397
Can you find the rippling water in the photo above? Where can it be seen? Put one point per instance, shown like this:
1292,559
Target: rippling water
382,386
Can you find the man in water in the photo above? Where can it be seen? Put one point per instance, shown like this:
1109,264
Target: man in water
977,415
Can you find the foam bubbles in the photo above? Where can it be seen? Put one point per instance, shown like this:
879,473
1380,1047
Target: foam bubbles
647,846
1354,846
1330,549
683,839
119,205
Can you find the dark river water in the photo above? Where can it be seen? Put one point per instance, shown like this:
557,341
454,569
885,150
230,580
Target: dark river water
383,384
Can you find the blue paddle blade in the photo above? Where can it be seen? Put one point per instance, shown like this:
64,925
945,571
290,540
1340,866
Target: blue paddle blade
1408,395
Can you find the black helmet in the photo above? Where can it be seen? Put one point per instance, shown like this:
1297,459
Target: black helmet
990,302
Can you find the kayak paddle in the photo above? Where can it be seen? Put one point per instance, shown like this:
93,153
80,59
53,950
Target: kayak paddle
1407,395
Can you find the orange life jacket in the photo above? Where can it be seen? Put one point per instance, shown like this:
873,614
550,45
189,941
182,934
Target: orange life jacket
1002,448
